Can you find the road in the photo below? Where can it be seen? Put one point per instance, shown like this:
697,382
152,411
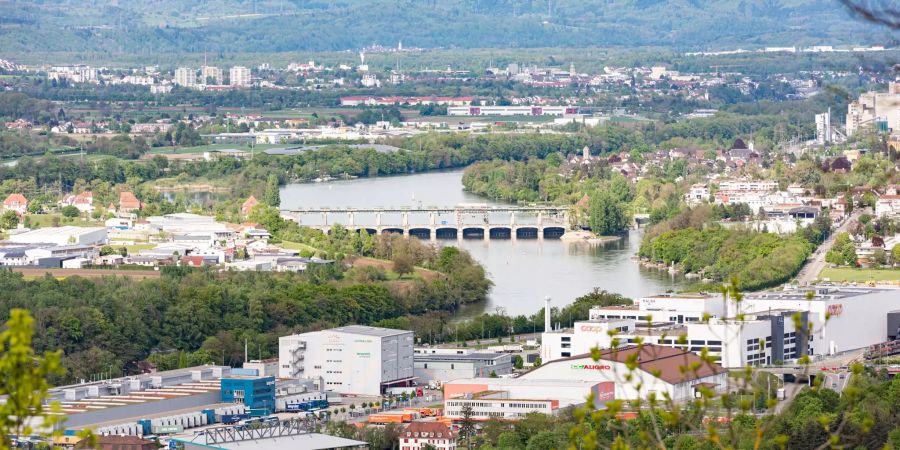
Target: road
829,368
810,272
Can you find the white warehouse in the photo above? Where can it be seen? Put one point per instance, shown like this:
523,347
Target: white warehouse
353,359
660,369
67,235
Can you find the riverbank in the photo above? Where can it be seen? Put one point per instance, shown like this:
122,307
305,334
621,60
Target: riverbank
523,271
189,187
586,237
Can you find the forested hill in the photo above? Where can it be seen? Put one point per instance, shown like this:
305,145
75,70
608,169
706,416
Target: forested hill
153,26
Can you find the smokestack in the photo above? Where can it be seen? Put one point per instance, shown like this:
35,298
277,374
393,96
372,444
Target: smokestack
547,326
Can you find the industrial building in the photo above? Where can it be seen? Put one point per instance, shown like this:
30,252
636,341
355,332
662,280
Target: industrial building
879,111
450,364
514,398
353,359
171,402
254,392
660,369
765,334
305,441
134,405
66,235
528,110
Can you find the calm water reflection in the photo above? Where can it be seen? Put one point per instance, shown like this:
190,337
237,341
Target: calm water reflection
523,271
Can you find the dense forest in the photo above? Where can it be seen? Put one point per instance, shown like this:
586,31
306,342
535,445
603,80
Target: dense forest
111,324
692,241
275,26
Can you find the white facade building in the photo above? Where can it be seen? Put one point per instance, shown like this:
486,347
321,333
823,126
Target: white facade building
513,398
445,367
529,110
766,334
351,360
370,80
844,318
211,75
823,128
697,194
748,185
239,76
422,435
185,76
887,205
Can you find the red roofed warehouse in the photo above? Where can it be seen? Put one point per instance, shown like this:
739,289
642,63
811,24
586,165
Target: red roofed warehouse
660,370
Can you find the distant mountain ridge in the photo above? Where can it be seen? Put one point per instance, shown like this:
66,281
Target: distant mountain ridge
152,26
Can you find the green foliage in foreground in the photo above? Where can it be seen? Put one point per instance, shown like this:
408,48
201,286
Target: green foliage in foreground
757,260
865,416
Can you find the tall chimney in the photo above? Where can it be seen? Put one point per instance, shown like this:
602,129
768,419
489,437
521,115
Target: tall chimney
547,326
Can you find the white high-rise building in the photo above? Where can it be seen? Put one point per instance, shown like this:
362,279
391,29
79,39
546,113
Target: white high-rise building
239,76
823,127
185,76
354,359
211,75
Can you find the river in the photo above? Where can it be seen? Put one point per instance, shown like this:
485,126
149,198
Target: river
523,271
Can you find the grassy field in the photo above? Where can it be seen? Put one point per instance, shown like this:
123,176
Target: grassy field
298,246
135,248
859,275
46,220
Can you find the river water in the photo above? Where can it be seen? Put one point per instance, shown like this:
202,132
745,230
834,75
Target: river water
523,271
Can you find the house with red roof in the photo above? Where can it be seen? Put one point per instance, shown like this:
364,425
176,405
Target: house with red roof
128,202
83,201
248,205
418,435
16,202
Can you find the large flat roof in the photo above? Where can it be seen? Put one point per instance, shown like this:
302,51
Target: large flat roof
820,293
307,441
521,381
51,232
464,357
368,331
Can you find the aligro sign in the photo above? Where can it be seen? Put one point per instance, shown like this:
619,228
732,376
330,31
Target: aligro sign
591,367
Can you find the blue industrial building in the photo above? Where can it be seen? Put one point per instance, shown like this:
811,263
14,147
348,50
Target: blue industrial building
256,393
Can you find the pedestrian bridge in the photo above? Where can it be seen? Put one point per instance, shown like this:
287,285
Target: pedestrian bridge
431,223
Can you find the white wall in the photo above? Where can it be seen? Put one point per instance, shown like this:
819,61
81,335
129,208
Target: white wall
350,363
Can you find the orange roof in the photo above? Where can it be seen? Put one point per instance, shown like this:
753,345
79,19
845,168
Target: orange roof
672,365
127,200
250,202
583,203
15,199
